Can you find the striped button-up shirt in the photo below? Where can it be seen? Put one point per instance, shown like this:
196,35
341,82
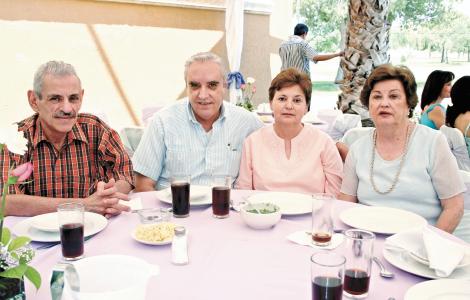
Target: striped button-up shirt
92,152
175,143
296,53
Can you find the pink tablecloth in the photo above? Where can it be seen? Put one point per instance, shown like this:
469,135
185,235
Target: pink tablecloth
228,260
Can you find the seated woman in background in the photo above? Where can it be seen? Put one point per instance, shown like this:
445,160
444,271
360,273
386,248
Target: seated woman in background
436,88
458,115
401,164
289,155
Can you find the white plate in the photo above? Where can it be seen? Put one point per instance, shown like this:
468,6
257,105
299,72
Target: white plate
403,261
443,289
290,203
164,242
50,222
384,220
199,195
94,223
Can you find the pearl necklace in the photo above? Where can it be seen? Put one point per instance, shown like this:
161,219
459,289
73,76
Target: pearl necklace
402,161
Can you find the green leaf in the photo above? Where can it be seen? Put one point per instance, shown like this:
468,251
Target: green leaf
1,148
16,272
18,243
12,180
6,235
33,276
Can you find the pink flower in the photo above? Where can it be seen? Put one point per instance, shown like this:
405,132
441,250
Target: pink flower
23,171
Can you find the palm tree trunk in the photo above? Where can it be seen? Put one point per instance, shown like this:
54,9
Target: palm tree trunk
367,43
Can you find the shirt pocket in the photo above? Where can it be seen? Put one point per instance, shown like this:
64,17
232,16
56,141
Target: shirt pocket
234,156
177,161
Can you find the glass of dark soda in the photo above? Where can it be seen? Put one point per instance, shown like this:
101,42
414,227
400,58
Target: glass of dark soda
221,185
180,195
71,224
359,248
327,269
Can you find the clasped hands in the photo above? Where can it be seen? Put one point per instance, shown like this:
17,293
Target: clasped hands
105,200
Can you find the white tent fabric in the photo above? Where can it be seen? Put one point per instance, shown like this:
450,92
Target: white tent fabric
234,13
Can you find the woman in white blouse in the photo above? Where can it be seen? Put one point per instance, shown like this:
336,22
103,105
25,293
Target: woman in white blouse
401,164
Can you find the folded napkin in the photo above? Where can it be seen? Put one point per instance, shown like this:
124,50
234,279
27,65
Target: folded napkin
304,239
134,203
444,254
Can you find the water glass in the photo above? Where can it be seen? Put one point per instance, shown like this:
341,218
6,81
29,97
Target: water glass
221,186
180,189
71,224
322,221
359,249
327,269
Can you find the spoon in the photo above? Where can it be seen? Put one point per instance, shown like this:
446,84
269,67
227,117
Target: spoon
383,272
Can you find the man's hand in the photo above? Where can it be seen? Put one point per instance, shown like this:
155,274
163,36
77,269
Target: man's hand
105,200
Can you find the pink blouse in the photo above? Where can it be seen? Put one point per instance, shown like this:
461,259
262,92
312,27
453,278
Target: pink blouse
314,166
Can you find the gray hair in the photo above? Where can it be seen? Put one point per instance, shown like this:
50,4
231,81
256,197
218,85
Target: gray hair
55,68
204,57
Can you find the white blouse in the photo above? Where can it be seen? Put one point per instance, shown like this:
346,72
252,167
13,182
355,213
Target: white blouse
429,173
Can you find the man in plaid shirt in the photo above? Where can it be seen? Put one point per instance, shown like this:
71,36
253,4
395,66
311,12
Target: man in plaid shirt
76,157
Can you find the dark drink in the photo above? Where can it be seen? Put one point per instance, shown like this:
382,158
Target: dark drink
322,238
327,288
356,282
180,199
221,201
71,238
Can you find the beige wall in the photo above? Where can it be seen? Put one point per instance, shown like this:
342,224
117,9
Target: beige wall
128,55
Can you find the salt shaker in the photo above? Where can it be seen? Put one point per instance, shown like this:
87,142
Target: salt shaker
179,246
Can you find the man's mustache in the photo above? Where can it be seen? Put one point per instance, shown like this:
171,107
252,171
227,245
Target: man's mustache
63,114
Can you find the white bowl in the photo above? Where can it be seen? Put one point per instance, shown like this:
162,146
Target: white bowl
262,220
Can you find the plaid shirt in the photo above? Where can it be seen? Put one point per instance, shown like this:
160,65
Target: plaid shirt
92,152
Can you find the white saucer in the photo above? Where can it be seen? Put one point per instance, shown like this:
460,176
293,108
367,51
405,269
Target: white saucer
199,195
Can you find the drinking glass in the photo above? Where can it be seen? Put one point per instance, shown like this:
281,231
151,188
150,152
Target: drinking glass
221,186
180,189
359,250
71,224
327,269
322,222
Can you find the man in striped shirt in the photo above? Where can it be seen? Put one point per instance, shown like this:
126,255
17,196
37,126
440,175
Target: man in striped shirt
75,157
200,136
297,53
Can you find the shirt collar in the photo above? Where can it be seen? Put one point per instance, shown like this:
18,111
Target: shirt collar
38,135
295,38
190,113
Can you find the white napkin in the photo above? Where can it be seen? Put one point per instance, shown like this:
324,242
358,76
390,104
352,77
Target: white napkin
134,203
443,253
304,239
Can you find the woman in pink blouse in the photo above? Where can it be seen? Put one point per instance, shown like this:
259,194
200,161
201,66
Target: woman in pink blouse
289,155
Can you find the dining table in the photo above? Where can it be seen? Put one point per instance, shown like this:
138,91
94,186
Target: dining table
227,259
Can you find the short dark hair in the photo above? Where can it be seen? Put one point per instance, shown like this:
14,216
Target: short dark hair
433,86
460,95
300,29
391,72
290,77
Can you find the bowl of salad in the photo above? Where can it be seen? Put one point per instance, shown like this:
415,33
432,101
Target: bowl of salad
261,215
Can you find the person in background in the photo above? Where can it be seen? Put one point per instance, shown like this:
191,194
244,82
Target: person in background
436,89
386,166
458,116
76,157
297,53
290,155
198,136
